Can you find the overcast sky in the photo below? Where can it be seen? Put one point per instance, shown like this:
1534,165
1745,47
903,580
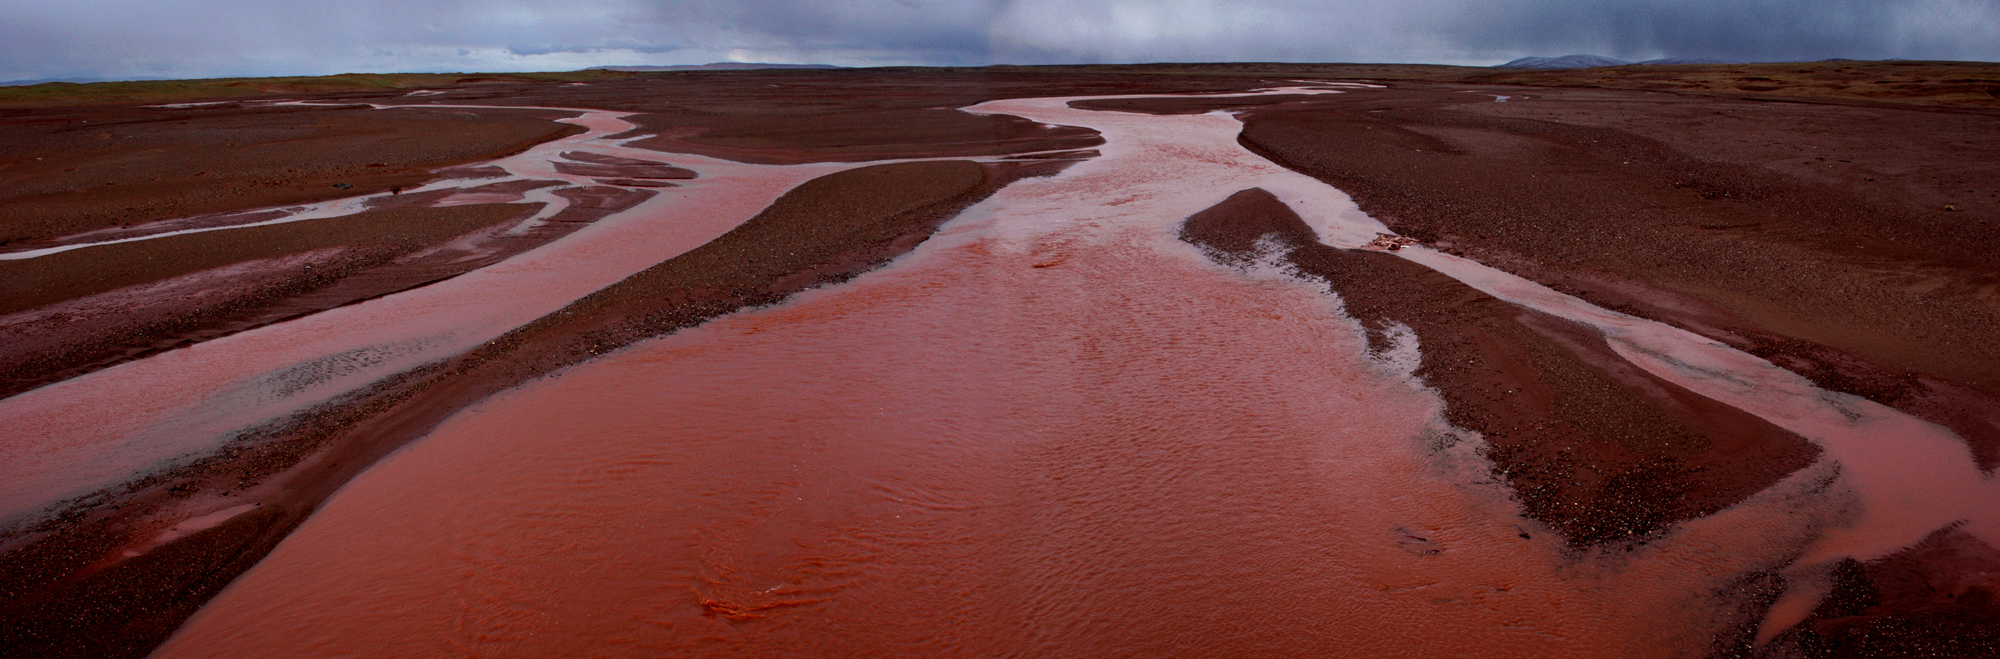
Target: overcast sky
208,38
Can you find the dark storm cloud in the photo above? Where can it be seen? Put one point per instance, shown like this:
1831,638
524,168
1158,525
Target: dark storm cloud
1761,30
183,38
872,31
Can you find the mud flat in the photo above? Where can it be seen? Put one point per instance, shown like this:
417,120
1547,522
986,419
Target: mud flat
84,310
70,575
1102,392
1851,244
91,300
977,443
1023,392
69,170
1600,450
1737,219
64,593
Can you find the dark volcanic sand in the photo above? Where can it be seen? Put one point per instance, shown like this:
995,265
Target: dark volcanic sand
827,230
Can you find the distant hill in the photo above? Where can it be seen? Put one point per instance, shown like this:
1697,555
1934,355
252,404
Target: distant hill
1688,60
79,81
1564,62
1594,61
717,66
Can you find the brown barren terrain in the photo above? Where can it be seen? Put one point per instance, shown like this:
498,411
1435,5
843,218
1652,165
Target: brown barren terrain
61,605
77,311
1597,448
1960,84
66,171
1839,219
1859,284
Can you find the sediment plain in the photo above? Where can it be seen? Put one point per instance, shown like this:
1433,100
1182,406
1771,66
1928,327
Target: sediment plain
1180,360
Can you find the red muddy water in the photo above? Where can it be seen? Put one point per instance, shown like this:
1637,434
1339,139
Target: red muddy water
94,431
1053,429
1118,453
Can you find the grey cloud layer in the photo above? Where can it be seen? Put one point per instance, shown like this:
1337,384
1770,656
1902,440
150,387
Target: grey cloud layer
237,37
1754,30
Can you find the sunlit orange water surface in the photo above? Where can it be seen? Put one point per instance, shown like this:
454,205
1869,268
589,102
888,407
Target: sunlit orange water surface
1053,430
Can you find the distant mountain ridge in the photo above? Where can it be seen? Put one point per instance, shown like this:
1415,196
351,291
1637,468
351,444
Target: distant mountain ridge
714,66
1593,61
78,81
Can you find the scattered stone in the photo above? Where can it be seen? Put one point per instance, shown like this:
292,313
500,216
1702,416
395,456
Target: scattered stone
1390,242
